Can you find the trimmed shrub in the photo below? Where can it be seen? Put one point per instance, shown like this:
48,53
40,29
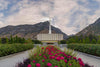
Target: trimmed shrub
93,49
6,49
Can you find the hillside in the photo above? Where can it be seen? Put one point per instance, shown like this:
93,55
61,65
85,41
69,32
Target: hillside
28,31
92,29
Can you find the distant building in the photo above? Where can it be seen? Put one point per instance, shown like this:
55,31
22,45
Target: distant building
50,38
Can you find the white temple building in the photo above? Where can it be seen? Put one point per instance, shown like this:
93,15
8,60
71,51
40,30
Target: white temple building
50,38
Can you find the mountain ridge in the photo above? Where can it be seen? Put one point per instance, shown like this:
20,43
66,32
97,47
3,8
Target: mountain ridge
92,29
28,30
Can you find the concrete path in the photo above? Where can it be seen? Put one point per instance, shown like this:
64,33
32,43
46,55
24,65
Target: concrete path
12,60
88,59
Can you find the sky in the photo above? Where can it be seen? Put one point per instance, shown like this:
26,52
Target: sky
71,16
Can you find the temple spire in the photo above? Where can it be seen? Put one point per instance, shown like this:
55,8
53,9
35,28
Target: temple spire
50,31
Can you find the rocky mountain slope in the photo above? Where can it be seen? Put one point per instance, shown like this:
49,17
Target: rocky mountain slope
28,31
92,29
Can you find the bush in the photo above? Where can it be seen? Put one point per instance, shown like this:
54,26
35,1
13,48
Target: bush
36,42
63,42
93,49
6,49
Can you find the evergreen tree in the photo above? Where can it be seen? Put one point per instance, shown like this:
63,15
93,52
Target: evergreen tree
7,40
0,40
87,40
11,39
93,41
98,41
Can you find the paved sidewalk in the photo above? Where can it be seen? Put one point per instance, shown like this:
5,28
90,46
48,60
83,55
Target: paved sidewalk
89,59
12,60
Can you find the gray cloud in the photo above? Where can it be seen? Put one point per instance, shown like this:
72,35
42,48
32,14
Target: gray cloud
66,14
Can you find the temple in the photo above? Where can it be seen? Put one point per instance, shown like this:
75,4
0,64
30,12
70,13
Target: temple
50,38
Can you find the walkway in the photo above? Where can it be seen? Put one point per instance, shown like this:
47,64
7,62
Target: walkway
88,59
12,60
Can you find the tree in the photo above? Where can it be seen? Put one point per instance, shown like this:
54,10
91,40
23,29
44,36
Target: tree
93,41
3,40
98,41
29,40
87,40
11,40
0,40
63,42
7,40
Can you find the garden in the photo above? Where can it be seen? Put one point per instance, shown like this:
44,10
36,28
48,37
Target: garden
7,49
52,56
93,49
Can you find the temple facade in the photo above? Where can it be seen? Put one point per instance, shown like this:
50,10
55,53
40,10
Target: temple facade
50,38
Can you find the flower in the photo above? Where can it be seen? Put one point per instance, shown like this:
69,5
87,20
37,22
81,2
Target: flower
49,64
62,58
55,66
45,57
79,59
58,58
40,54
81,63
74,57
70,64
33,61
38,65
29,65
42,47
55,54
65,61
43,60
53,57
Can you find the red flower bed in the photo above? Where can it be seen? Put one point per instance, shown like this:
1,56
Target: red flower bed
53,57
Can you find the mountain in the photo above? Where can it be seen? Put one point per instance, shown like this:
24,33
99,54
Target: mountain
29,31
92,29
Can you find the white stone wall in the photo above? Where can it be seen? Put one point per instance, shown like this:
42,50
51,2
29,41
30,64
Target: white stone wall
43,37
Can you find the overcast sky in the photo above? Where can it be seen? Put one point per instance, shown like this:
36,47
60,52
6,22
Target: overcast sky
70,16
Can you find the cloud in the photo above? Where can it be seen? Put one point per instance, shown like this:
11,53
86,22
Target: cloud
3,4
68,15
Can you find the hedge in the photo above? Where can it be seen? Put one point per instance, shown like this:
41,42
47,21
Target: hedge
93,49
7,49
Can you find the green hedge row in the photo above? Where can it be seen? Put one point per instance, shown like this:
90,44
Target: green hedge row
6,49
93,49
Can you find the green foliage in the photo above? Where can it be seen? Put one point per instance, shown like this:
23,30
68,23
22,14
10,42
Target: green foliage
36,42
16,39
35,55
93,49
6,49
84,39
29,40
4,40
70,52
63,42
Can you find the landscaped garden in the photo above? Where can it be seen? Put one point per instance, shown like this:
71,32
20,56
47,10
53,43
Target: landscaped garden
7,49
14,45
93,49
52,56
